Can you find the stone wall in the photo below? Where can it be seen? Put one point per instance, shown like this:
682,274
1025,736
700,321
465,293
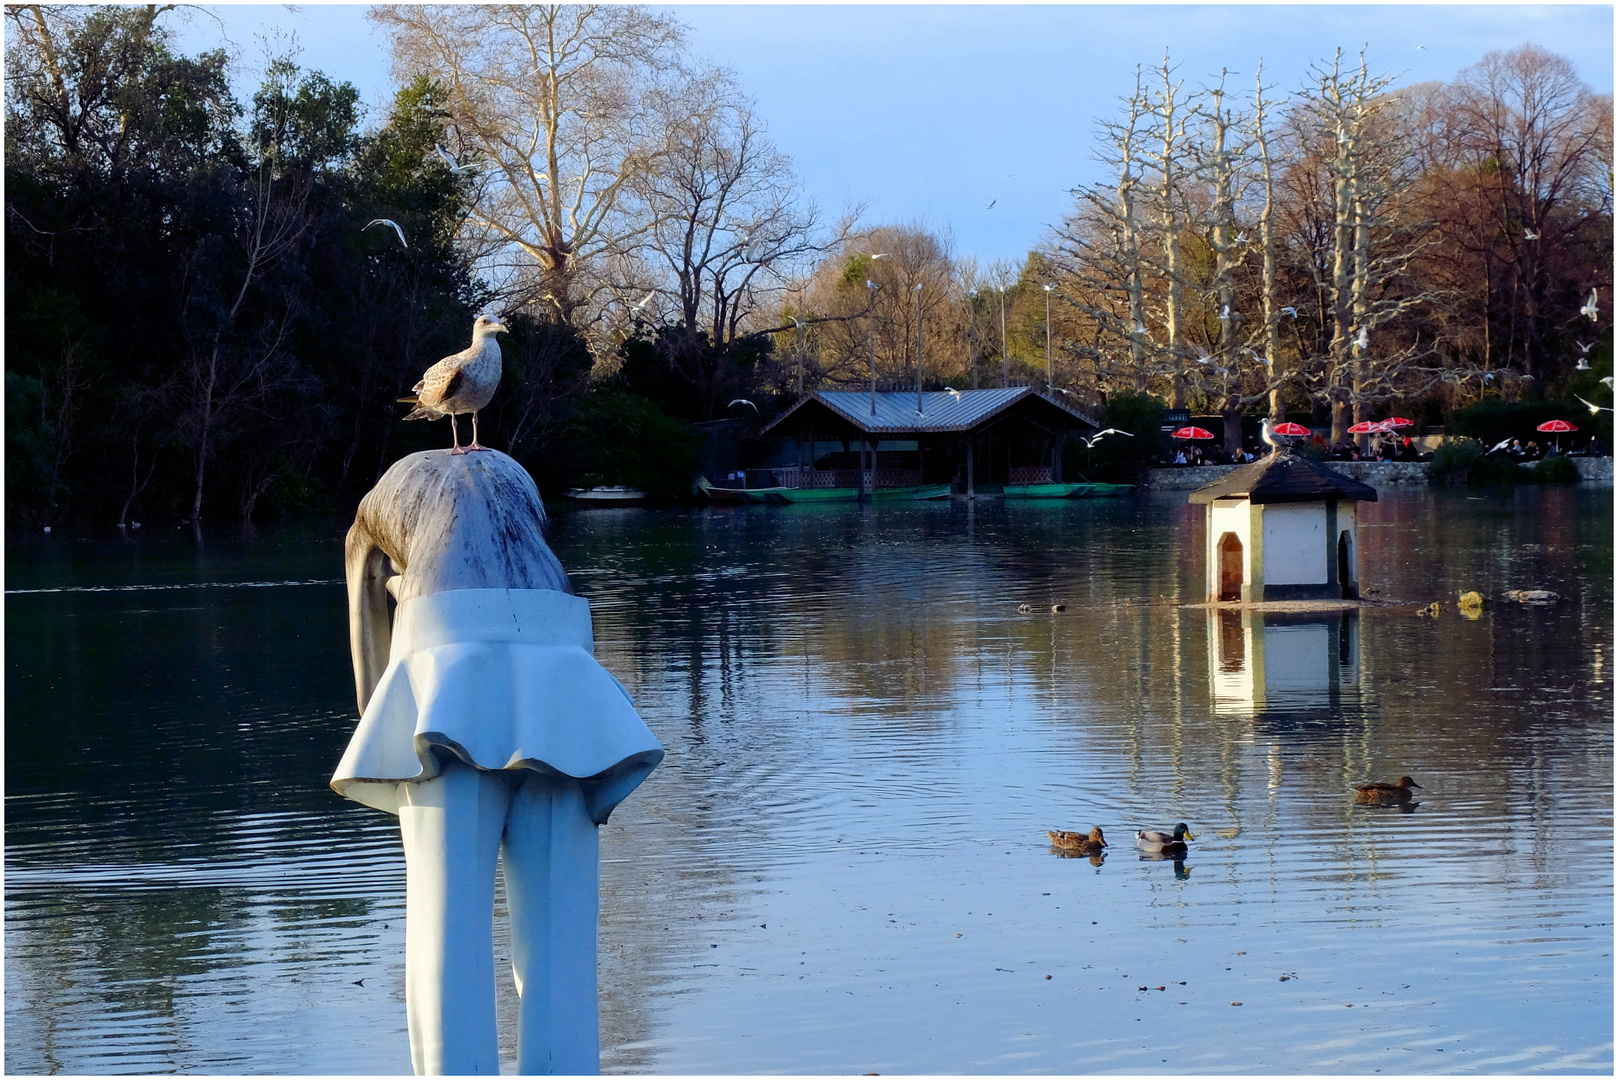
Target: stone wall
1378,474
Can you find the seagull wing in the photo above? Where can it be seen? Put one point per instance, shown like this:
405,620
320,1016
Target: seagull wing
448,160
743,401
1594,409
393,224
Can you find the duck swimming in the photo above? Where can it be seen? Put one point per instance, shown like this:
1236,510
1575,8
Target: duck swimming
1077,841
1385,793
1154,840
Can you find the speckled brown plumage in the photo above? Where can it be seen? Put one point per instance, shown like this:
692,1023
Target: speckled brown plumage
462,383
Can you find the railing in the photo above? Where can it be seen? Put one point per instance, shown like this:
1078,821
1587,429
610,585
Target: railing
1029,474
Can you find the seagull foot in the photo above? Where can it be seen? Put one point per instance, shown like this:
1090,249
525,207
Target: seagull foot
471,447
459,450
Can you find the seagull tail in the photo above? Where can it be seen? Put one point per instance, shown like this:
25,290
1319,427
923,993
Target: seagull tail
422,412
411,400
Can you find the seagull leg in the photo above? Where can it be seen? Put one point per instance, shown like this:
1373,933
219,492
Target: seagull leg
473,445
455,434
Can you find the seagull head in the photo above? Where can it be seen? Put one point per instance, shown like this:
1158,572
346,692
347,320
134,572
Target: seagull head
488,324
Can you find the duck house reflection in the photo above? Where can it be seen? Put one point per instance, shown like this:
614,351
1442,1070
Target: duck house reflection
1279,664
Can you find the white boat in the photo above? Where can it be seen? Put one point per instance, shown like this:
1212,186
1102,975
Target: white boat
615,493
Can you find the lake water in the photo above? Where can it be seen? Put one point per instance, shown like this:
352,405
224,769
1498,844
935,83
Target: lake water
841,866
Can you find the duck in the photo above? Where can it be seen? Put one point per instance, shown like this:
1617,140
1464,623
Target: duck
1077,841
1155,840
1385,793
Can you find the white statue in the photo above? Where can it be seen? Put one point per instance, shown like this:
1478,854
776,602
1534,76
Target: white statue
490,730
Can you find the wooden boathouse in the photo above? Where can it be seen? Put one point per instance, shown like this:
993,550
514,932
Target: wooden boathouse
971,439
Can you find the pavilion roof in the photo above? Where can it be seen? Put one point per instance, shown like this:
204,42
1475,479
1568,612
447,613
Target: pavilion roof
942,411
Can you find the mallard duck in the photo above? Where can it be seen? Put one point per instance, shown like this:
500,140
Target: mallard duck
1154,840
1077,841
1383,793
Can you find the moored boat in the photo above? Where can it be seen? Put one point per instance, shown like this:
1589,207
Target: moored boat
816,495
607,495
915,491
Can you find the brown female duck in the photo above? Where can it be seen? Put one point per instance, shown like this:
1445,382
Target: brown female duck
1385,793
1077,841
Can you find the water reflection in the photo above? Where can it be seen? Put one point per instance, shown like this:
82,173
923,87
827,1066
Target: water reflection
1289,669
843,863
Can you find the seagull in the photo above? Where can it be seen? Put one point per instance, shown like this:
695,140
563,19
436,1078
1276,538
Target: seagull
1582,365
462,383
647,299
1607,382
1290,311
1202,354
450,161
1497,447
395,224
1590,307
884,255
1271,439
1594,409
1098,436
1583,348
991,203
742,401
1364,339
1241,238
1528,234
1224,316
952,390
1140,327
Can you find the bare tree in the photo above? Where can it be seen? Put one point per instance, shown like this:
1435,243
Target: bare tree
560,106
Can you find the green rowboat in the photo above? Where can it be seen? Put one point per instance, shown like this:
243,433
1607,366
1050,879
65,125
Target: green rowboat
813,495
917,491
1065,491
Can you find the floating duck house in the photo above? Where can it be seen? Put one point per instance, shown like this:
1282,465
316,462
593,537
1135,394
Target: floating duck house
1282,528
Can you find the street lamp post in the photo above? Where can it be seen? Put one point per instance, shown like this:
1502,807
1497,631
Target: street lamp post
972,338
1048,286
917,291
871,324
1005,357
799,324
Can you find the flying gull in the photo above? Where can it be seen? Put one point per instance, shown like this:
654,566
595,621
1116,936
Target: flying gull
450,161
462,383
1590,307
1595,410
394,224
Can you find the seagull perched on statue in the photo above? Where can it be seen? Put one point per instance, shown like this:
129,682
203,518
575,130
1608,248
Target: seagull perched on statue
1273,440
462,383
395,226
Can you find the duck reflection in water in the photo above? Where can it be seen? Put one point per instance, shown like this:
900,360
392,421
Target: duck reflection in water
1182,872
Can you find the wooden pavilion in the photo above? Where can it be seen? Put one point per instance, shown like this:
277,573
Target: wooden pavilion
971,438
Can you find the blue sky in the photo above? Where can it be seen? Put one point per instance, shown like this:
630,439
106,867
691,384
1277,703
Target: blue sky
927,113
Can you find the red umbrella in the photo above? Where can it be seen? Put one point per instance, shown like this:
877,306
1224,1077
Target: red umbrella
1289,428
1556,426
1192,433
1398,422
1368,427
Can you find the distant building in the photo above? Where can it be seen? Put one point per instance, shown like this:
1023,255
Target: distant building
1282,528
972,438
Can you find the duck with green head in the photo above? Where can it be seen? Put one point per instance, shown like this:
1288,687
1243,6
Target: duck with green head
1156,840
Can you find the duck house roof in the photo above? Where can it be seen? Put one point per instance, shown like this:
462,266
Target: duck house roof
1283,477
